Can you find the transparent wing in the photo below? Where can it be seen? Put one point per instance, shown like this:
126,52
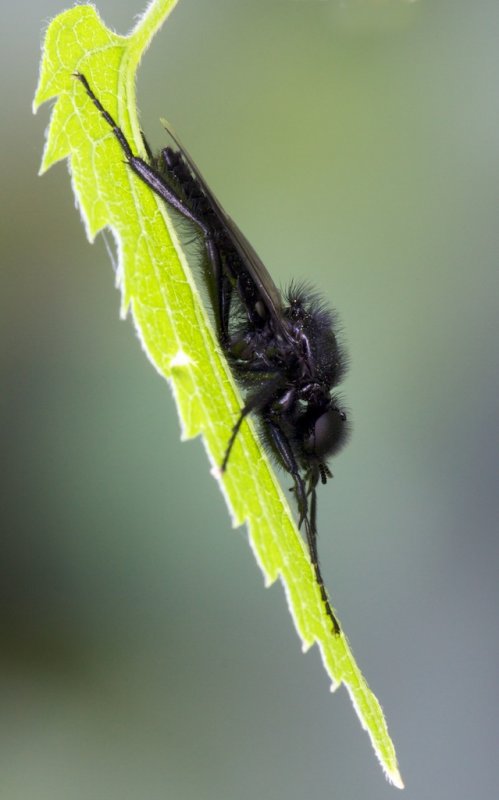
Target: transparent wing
255,267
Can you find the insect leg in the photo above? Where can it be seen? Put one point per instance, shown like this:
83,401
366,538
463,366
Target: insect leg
176,166
155,181
255,402
312,537
246,409
146,173
311,531
222,292
284,449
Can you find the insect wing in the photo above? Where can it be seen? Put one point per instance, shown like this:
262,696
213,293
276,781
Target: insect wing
255,267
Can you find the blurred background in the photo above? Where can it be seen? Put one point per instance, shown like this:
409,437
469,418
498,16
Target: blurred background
356,145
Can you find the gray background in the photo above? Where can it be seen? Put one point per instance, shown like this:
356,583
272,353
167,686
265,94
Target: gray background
356,144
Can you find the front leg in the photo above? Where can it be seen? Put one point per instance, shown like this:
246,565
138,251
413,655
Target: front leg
255,402
307,516
284,450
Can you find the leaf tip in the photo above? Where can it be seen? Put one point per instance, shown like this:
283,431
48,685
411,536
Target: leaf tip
395,779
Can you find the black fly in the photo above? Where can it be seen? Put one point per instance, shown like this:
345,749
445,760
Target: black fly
282,350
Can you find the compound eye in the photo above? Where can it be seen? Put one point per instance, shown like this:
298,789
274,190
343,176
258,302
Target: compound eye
328,434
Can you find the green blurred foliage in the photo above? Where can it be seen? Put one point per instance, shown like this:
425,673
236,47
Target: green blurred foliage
137,635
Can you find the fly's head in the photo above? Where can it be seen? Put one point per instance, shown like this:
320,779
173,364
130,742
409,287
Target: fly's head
323,426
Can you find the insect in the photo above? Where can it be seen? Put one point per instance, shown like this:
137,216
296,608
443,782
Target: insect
282,349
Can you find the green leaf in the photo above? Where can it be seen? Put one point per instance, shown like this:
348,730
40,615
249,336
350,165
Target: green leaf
158,288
